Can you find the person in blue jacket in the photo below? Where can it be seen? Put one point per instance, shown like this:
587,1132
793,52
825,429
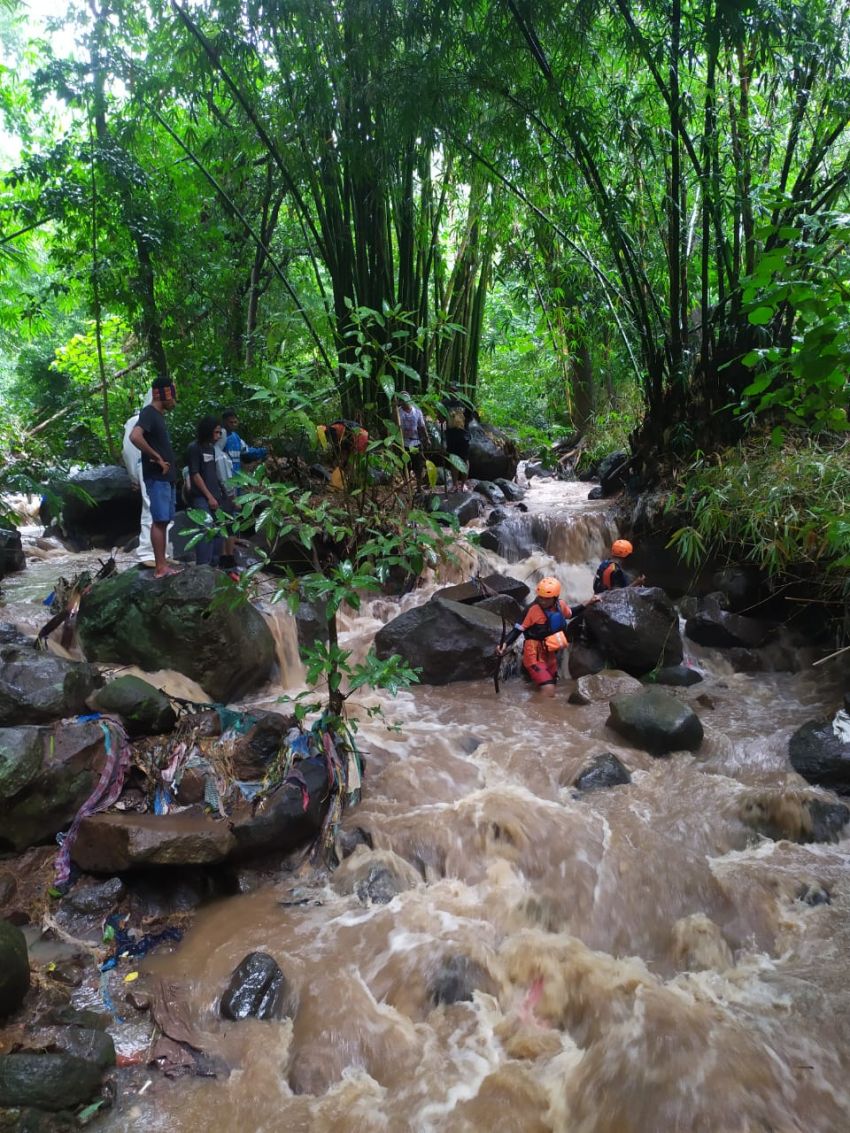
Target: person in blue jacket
239,453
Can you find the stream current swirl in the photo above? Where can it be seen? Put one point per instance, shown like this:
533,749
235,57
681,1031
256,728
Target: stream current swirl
638,960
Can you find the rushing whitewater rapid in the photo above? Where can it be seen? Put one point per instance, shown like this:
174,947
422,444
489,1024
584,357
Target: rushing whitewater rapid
630,960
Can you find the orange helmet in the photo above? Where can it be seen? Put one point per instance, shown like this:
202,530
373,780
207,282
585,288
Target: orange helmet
548,588
621,548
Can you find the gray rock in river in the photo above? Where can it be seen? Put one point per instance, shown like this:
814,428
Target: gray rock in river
114,843
603,770
171,623
258,989
36,688
656,721
714,626
12,558
821,756
604,685
637,629
447,641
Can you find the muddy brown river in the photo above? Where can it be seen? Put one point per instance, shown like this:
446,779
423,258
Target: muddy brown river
638,959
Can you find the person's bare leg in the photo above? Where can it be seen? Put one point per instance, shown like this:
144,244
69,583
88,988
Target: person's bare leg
158,539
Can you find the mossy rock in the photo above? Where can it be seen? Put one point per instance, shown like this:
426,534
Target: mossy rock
144,709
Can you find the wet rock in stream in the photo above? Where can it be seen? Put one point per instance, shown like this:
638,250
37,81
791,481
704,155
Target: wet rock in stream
820,753
603,770
656,721
49,1081
258,989
716,627
375,876
782,814
455,980
448,641
636,628
604,685
144,709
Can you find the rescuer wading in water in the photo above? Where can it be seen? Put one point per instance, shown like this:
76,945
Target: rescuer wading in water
544,627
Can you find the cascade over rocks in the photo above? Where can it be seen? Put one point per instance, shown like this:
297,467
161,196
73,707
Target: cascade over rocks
12,558
258,989
821,756
656,722
492,453
447,640
111,514
46,774
14,968
716,627
37,687
145,710
170,623
636,628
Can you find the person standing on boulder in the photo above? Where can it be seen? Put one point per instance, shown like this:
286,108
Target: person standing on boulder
414,434
133,463
159,470
610,574
209,495
544,627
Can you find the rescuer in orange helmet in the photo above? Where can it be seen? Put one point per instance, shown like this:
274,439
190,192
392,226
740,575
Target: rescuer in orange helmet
544,627
610,574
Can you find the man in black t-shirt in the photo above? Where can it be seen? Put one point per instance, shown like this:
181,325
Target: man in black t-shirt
159,471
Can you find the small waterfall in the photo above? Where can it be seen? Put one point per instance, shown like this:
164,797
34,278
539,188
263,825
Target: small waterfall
284,630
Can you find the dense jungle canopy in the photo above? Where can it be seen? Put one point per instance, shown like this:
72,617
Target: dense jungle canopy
622,220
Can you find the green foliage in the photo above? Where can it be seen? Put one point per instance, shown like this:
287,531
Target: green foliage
782,508
802,288
608,432
358,541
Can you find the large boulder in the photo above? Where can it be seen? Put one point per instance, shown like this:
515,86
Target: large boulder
637,629
819,753
38,687
716,627
49,1081
656,722
113,843
98,506
145,710
14,968
12,556
492,453
447,641
175,623
46,774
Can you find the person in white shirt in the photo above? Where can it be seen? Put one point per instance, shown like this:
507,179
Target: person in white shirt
413,433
